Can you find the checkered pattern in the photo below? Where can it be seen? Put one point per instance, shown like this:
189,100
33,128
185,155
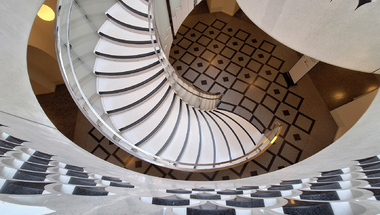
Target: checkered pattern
246,69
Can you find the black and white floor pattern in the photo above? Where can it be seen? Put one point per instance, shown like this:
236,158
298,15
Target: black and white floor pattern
219,53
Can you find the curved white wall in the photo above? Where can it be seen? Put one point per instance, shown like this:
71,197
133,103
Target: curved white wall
20,111
330,31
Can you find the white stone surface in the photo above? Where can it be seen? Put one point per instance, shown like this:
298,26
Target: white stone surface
329,31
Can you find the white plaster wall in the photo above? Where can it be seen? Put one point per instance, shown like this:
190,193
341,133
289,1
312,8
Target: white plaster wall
347,115
16,95
329,31
18,103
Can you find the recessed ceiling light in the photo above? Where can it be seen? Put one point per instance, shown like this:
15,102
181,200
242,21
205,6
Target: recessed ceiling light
46,13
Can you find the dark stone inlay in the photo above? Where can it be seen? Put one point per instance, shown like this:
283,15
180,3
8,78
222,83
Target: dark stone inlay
240,58
90,191
276,91
268,72
244,202
34,167
210,209
119,184
176,52
260,55
108,178
204,82
226,177
332,172
281,187
230,192
266,194
372,174
181,191
205,196
220,61
29,176
81,181
77,174
179,67
286,113
229,29
38,160
296,137
319,195
203,189
254,41
196,49
172,200
330,178
42,155
235,44
75,168
23,187
192,35
200,64
247,76
211,32
253,173
368,160
247,188
138,164
370,166
225,79
291,182
325,186
306,208
215,46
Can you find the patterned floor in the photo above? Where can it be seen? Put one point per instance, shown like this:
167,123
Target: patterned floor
219,53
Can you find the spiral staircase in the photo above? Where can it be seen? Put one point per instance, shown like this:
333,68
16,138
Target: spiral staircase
147,107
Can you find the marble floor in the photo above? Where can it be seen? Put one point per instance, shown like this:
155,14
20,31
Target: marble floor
220,53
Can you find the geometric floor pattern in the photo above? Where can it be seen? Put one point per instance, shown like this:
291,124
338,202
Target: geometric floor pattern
219,53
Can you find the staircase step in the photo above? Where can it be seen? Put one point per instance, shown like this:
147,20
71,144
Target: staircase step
108,86
114,30
158,87
108,49
320,195
244,202
108,67
307,208
205,196
172,200
125,16
136,7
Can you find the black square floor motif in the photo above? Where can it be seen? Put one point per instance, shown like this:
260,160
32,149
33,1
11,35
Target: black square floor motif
204,82
296,137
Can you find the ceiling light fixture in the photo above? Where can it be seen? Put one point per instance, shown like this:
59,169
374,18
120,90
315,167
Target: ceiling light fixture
46,13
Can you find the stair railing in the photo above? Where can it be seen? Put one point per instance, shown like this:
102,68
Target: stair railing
188,92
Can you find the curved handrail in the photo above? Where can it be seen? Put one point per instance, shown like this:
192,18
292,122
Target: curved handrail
275,131
172,73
